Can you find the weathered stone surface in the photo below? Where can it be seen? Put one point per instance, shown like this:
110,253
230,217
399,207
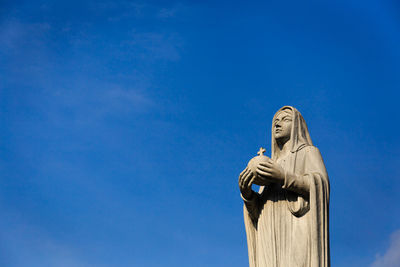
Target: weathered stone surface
287,220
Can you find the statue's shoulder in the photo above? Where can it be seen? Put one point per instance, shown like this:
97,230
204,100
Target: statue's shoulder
311,149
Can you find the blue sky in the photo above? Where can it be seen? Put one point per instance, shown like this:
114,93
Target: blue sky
125,125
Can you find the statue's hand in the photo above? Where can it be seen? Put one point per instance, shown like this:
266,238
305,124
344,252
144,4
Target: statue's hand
271,171
245,179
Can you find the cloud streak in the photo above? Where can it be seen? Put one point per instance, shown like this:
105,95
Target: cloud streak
29,246
58,79
391,258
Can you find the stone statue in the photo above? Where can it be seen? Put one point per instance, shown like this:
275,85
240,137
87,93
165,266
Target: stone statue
287,220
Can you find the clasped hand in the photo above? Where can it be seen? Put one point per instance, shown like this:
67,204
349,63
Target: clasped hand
267,172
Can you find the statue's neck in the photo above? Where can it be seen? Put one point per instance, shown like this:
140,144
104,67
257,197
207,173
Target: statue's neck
283,146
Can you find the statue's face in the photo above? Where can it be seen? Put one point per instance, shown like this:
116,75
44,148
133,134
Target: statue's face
283,125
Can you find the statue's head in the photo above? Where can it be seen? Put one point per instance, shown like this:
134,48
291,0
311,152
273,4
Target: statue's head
289,126
282,125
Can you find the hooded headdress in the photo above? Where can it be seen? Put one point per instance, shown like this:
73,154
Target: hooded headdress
299,136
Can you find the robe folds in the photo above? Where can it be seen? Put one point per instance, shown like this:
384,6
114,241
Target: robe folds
287,226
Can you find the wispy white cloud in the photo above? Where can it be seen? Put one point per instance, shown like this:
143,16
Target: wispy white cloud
31,57
14,34
155,45
129,99
30,246
89,104
391,258
165,13
136,9
117,11
80,75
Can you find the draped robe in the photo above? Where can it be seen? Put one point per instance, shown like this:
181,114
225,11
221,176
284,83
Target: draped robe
287,226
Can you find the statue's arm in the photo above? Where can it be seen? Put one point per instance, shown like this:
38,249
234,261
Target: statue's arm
252,205
249,197
297,183
313,165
